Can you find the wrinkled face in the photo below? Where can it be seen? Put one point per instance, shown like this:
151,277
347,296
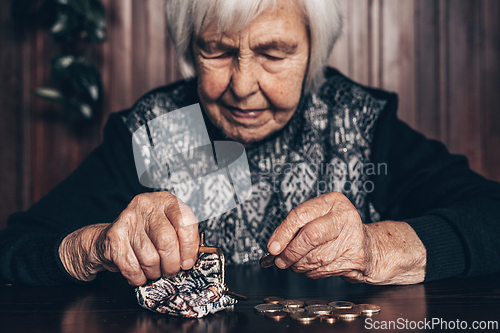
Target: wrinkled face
250,82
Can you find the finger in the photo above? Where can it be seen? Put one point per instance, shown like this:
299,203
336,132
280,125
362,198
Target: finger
311,236
147,255
178,212
123,257
185,223
296,219
189,242
164,238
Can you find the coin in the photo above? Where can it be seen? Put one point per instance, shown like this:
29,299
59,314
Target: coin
368,309
316,301
341,305
347,314
267,260
319,309
328,318
293,310
273,299
292,303
266,307
277,316
304,317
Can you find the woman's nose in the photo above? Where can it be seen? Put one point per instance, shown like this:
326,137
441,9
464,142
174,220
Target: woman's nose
244,82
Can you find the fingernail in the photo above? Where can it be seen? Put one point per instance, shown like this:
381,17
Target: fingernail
275,247
187,264
279,263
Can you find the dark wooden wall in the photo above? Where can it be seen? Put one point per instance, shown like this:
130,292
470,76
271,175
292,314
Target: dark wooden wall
441,56
443,59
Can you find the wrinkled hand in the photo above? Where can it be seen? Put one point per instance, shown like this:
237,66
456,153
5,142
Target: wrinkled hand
325,237
156,235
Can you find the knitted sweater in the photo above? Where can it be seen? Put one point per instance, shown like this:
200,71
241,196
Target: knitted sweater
344,138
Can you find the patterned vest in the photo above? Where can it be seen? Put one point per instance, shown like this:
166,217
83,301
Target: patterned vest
325,147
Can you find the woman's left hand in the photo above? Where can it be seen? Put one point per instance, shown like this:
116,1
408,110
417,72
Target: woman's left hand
325,237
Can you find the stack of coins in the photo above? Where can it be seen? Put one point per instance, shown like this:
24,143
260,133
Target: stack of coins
329,318
347,314
278,308
368,309
341,305
304,317
292,305
293,310
319,309
273,299
276,316
267,308
272,312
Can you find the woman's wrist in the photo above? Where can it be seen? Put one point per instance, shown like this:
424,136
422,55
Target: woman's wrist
78,252
397,255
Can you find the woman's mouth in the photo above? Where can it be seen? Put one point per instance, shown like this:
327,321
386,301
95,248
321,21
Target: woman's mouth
245,113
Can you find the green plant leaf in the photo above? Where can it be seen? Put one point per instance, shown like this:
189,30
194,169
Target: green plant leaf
82,109
64,25
60,66
95,21
69,20
86,80
50,94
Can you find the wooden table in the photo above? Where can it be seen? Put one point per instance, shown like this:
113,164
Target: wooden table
109,305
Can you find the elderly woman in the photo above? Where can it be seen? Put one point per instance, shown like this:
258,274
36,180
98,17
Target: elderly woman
258,70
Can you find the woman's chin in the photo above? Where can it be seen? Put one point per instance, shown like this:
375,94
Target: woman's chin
246,137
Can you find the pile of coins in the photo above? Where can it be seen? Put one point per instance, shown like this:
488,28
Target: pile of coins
278,308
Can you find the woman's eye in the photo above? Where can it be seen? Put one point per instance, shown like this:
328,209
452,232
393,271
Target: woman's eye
272,58
224,55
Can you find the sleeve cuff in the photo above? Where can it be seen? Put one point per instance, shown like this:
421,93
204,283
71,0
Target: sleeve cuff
445,253
50,258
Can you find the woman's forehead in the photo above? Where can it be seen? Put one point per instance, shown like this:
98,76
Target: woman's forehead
225,17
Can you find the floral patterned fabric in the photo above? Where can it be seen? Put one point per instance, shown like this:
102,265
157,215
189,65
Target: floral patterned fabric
193,294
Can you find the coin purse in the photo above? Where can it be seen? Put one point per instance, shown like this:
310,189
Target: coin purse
194,293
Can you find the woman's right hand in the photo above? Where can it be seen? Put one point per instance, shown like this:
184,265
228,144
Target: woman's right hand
156,235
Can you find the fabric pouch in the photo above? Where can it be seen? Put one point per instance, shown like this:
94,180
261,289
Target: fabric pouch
192,294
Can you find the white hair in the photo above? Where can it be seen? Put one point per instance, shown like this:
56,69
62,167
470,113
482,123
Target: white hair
188,18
